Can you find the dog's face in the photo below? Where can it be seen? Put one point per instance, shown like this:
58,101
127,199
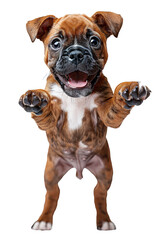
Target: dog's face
75,47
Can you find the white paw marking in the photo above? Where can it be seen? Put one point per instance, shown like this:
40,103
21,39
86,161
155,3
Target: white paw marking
75,107
108,226
42,226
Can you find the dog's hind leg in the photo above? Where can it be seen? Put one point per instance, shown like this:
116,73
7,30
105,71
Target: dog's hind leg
53,173
103,219
101,167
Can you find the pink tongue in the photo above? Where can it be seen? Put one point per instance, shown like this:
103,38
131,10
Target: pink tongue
75,84
77,79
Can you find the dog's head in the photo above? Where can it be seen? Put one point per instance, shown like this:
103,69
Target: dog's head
75,47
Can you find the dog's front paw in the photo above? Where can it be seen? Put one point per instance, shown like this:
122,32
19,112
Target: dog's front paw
34,101
131,94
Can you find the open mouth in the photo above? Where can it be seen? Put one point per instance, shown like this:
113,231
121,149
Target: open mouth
78,79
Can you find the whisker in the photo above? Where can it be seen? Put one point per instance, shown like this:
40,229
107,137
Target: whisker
46,75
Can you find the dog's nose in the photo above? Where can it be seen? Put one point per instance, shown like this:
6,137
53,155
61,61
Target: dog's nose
76,56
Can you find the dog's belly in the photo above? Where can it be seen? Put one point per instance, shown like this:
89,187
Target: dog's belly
80,159
79,148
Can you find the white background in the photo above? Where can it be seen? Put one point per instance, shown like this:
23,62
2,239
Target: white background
133,201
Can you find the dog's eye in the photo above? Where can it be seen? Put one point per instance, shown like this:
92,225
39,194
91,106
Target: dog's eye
94,42
56,43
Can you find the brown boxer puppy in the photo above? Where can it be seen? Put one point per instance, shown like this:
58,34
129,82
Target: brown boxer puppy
78,104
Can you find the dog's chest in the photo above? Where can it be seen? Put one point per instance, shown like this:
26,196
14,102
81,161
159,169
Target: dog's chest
74,107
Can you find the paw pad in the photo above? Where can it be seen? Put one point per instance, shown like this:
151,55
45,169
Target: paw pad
33,101
134,96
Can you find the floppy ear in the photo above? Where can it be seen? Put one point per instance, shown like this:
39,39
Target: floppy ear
40,27
109,23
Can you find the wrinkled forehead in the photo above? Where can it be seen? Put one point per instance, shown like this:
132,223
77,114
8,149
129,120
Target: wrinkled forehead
73,25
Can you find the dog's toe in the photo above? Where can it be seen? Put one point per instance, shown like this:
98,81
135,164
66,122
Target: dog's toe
107,226
42,226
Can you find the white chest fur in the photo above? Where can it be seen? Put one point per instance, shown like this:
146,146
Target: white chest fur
75,107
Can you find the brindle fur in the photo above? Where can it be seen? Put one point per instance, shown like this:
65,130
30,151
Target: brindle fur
65,151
